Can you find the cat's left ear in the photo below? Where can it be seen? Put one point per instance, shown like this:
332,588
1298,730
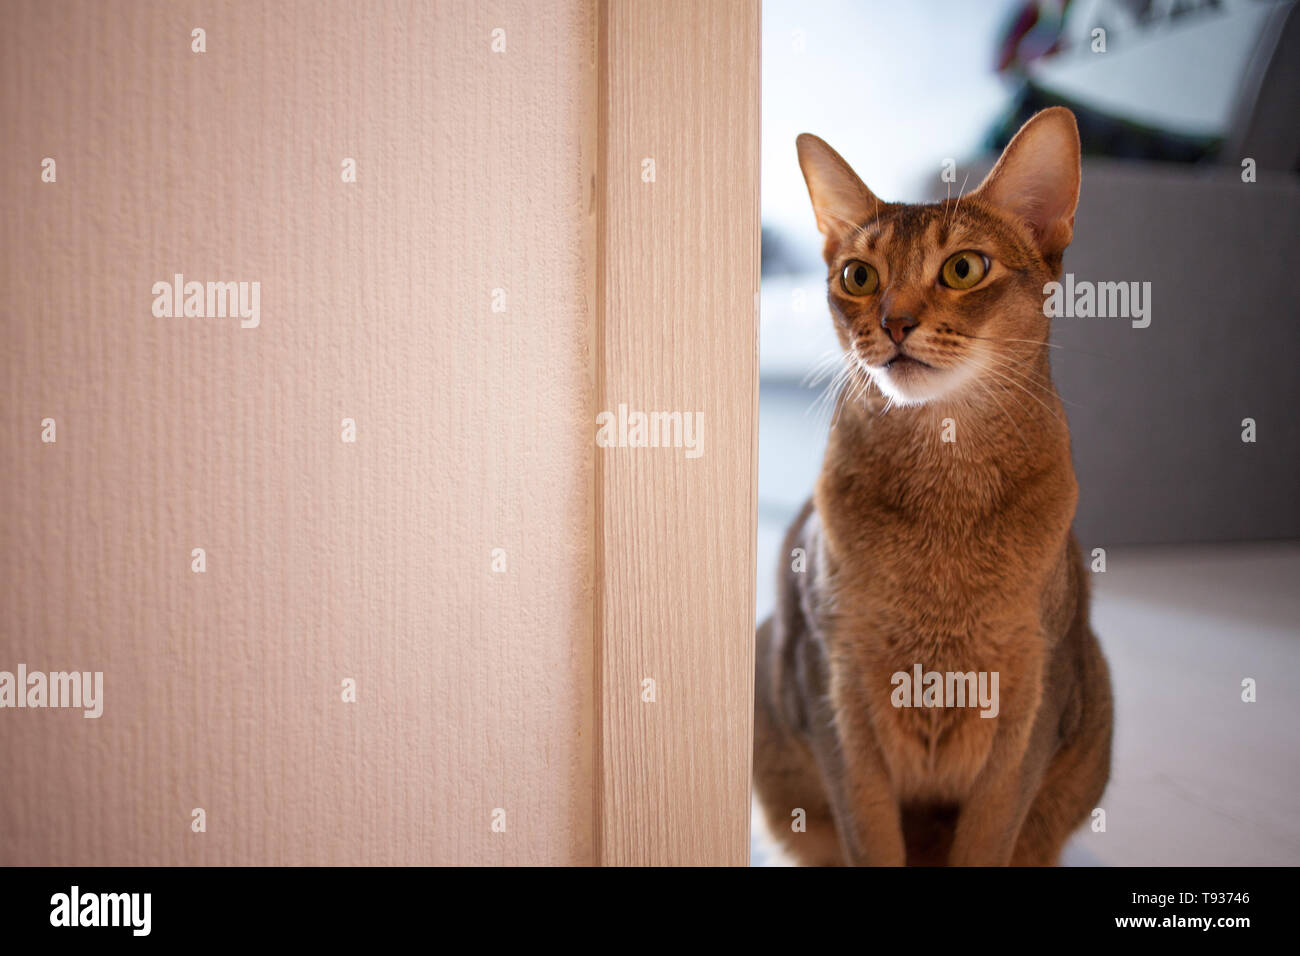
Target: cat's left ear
1037,179
840,199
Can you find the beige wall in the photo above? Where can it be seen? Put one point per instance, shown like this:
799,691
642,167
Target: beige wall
476,690
325,560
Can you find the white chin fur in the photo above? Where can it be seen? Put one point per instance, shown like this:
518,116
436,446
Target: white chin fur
919,385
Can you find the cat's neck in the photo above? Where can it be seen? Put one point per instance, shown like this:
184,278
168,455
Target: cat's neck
959,456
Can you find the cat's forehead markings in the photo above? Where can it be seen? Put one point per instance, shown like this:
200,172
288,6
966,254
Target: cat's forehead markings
893,231
942,229
908,231
938,227
870,234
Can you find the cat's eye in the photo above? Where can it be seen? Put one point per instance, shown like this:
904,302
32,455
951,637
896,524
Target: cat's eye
858,278
965,270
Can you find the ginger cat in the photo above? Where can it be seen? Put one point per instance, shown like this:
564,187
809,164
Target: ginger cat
939,555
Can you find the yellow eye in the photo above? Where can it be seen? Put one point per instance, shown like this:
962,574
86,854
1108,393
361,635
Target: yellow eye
858,278
965,270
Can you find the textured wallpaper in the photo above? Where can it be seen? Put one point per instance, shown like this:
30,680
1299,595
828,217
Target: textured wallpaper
295,432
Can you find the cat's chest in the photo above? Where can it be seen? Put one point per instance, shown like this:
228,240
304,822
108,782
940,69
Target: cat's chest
930,649
935,752
921,586
934,696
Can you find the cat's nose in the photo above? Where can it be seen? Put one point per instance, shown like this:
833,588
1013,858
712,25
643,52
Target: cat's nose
898,326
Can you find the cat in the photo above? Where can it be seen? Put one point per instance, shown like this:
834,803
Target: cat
937,541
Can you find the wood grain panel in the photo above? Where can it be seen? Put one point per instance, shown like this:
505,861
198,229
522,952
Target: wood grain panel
325,560
680,86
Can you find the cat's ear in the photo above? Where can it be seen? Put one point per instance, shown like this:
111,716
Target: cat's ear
839,198
1037,179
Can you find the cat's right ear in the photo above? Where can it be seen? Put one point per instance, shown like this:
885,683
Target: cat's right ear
839,198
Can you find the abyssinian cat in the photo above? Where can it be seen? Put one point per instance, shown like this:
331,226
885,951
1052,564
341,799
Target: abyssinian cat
928,689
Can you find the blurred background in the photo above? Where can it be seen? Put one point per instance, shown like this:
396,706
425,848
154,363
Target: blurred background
1200,528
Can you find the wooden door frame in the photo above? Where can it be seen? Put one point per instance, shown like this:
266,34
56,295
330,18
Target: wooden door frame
677,237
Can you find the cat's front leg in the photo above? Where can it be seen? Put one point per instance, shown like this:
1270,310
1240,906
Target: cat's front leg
991,816
995,808
866,810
